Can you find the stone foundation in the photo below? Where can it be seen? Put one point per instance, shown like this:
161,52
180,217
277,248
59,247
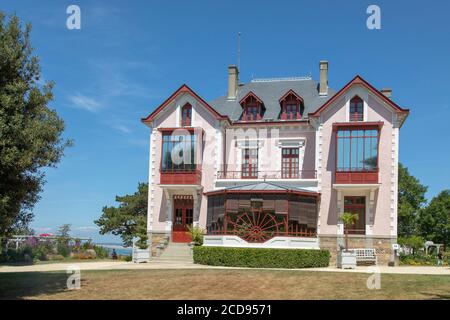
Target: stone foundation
154,239
382,246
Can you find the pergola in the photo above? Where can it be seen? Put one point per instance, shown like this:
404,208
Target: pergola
260,211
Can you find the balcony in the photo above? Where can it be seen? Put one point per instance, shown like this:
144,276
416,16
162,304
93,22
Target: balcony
181,177
357,177
266,175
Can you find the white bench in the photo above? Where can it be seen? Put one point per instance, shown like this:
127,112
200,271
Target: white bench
364,256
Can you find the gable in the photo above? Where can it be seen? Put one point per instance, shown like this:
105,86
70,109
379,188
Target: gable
358,86
184,89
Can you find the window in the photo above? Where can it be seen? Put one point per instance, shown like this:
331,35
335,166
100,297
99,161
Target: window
178,153
291,111
252,107
251,112
186,115
357,149
291,106
356,109
356,205
289,163
249,163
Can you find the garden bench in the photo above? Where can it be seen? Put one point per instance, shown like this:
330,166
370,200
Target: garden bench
365,256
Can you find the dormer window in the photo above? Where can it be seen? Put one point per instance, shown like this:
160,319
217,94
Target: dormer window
356,109
252,107
291,106
186,115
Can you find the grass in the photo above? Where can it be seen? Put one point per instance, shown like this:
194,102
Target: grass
220,284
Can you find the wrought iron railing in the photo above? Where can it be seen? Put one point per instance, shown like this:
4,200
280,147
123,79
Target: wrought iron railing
279,174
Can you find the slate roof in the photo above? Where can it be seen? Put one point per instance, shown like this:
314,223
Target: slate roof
270,93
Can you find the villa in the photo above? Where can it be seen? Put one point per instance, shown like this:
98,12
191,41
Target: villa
275,162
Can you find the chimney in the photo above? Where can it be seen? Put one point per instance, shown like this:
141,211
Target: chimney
387,92
233,80
323,85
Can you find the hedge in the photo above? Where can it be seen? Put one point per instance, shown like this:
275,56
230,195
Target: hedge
261,257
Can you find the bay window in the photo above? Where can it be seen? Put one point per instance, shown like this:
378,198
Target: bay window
178,152
357,149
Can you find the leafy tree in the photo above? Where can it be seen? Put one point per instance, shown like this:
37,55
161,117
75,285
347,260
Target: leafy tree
64,231
413,242
63,237
129,219
434,220
411,198
30,132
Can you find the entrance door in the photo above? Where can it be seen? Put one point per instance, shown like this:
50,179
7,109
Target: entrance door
183,216
356,205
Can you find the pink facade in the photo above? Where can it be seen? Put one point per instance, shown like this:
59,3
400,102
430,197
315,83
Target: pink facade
271,157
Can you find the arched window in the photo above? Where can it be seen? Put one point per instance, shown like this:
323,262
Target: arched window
186,115
356,109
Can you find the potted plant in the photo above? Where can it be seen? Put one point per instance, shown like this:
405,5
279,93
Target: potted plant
347,259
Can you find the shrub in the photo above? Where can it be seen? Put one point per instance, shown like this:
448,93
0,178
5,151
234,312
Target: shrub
63,249
261,257
40,253
196,234
101,252
422,260
125,258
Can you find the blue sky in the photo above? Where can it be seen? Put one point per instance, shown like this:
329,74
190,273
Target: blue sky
129,56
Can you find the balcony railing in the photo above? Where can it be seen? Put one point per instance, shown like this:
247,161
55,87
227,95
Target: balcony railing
357,177
193,176
268,175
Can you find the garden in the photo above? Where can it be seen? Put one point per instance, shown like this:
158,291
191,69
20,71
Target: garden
35,249
415,251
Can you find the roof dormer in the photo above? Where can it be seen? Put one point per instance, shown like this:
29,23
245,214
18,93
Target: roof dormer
292,106
252,107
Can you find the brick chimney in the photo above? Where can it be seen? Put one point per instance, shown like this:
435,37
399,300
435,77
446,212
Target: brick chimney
233,81
387,92
323,85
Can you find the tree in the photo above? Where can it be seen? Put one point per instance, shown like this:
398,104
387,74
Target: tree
129,219
30,132
434,220
413,242
411,198
348,219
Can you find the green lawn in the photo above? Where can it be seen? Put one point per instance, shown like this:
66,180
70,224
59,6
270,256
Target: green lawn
220,284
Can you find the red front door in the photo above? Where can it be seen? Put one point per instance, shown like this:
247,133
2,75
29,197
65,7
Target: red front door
356,205
183,216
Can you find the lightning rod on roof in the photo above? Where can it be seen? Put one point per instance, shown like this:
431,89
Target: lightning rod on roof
239,51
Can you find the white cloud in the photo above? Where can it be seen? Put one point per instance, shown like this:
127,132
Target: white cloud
86,228
121,128
82,102
43,229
